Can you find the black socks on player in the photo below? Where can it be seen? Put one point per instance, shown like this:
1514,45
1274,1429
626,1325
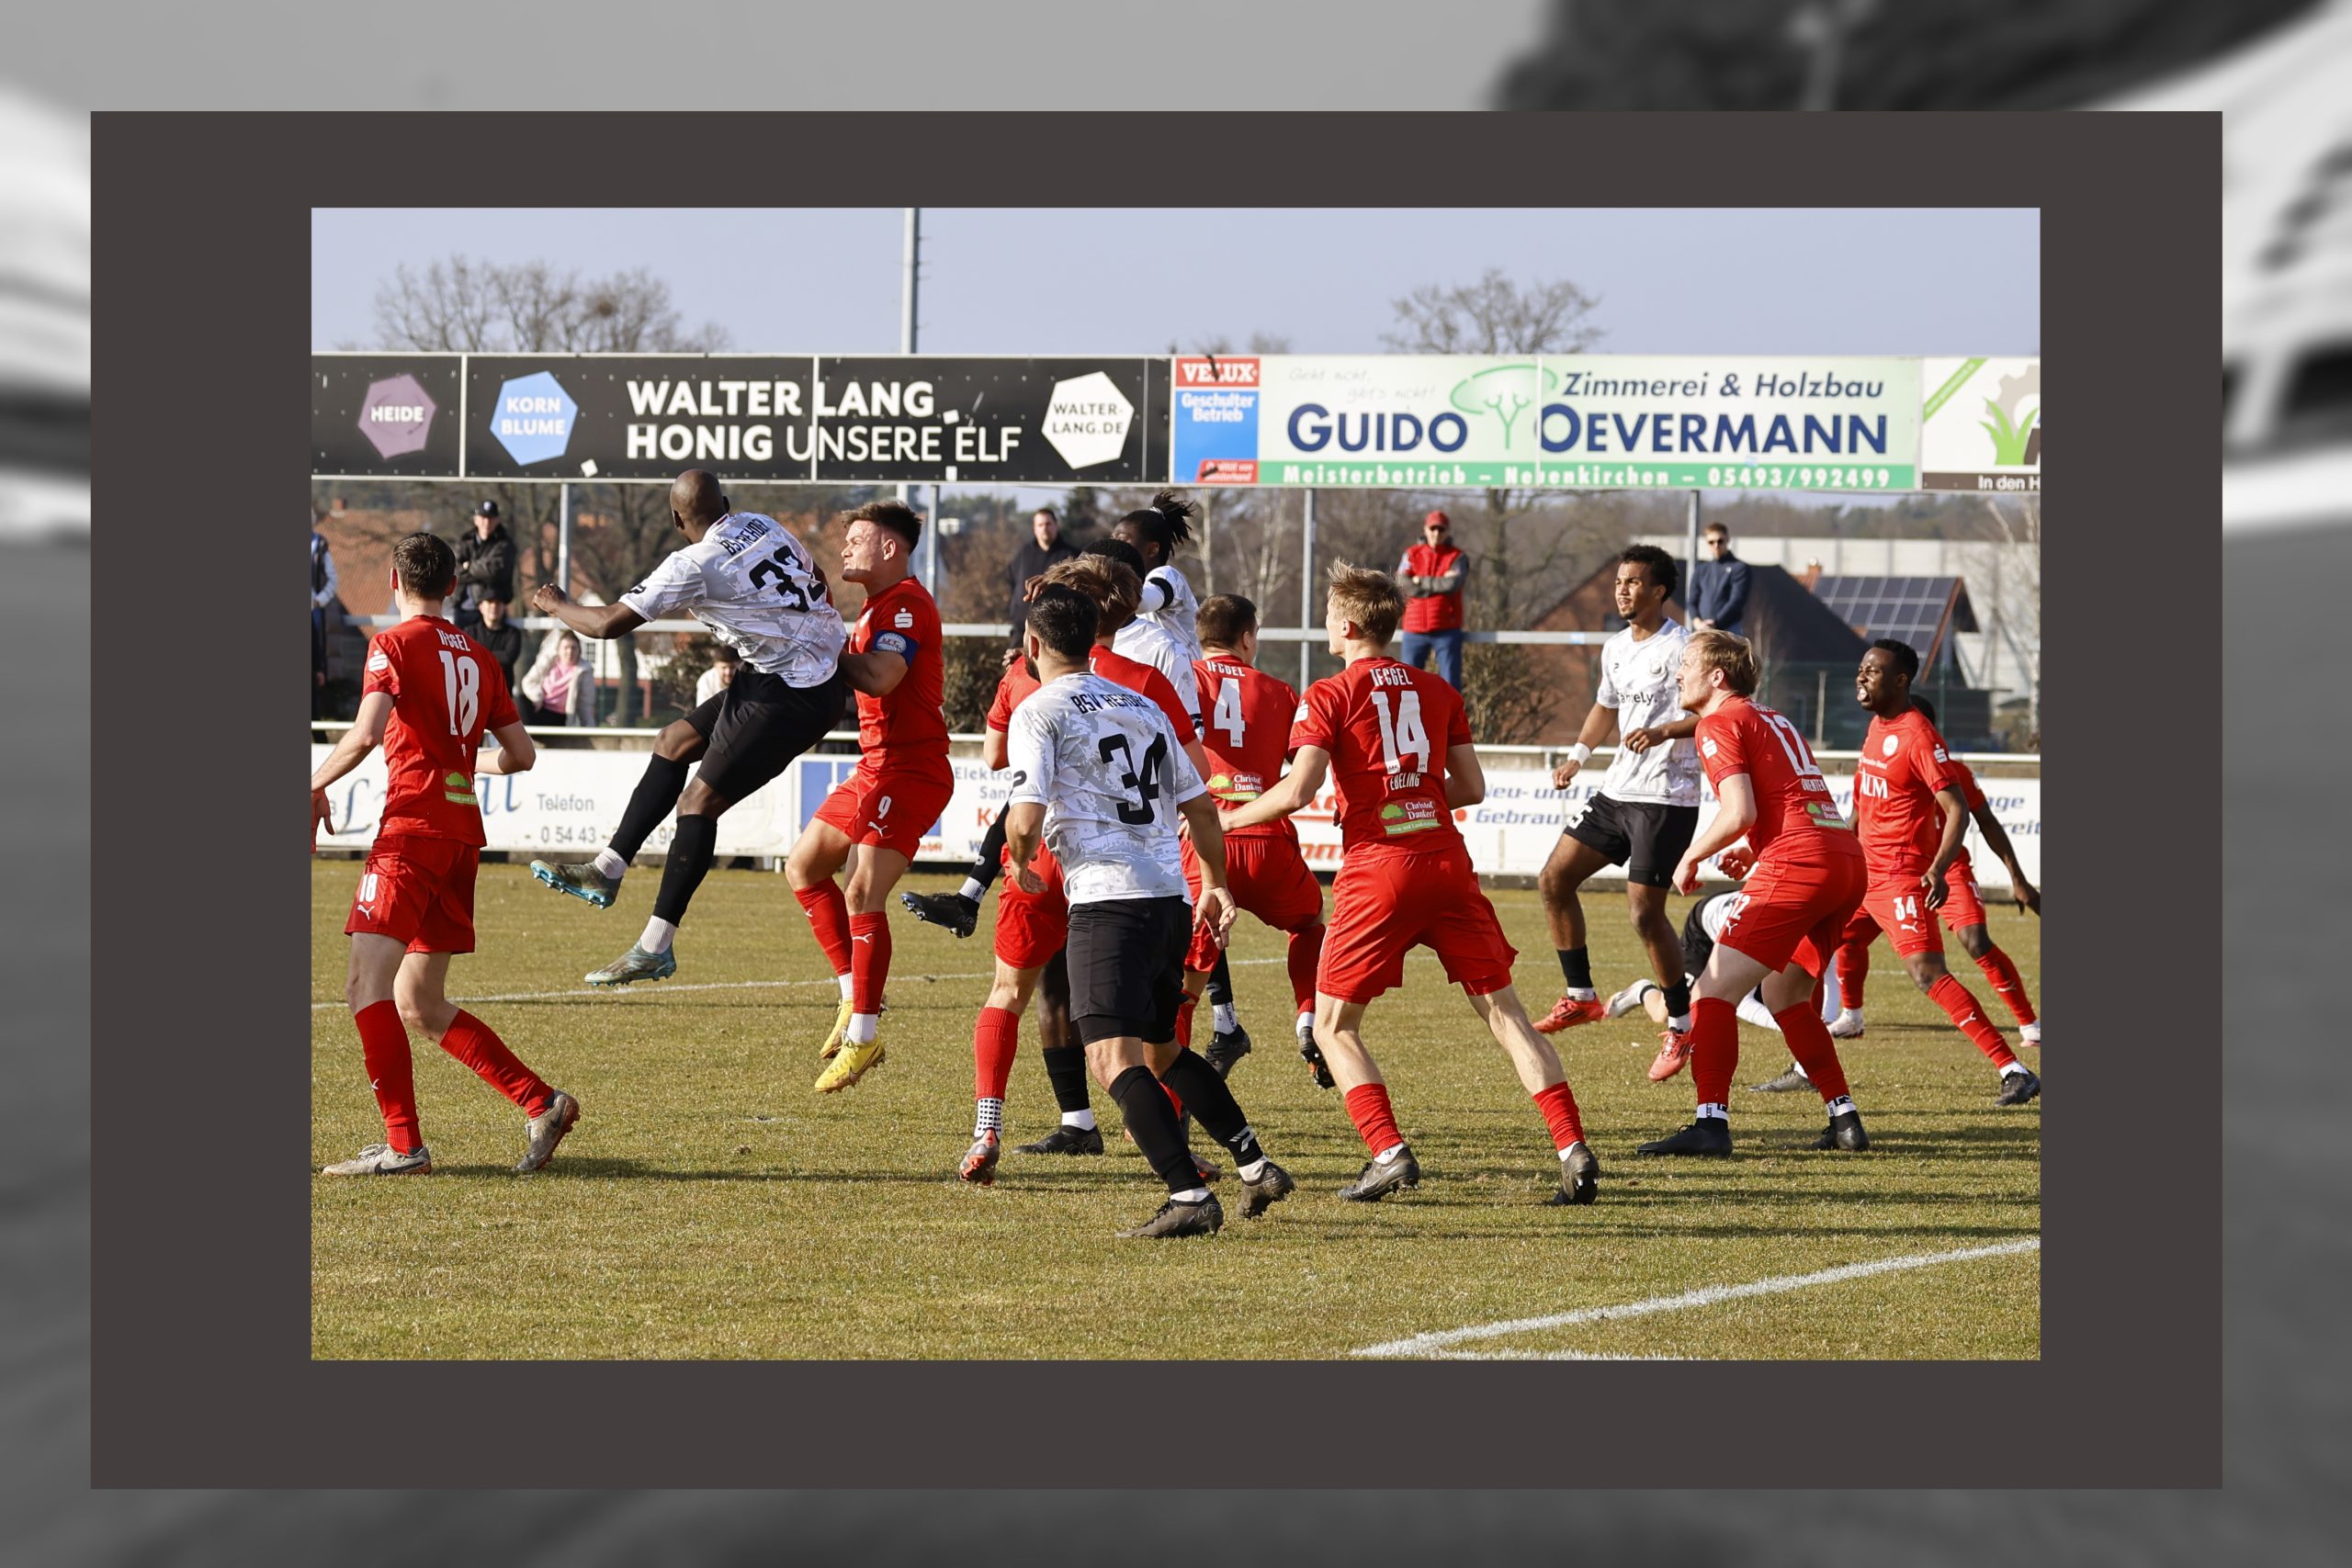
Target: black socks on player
1066,1070
1219,990
692,848
1677,997
990,863
658,789
1207,1099
1144,1105
1575,967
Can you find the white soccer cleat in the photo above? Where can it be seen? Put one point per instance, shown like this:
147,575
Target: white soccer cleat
2030,1033
1628,999
1849,1025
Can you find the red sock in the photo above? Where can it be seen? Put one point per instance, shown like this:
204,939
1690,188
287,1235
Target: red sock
995,1038
1559,1108
1969,1018
1375,1122
1853,968
476,1045
2002,976
1714,1049
869,960
1185,1022
1809,1042
383,1046
1174,1103
1306,953
829,918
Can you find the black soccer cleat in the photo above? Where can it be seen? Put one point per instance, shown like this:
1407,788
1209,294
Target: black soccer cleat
1315,1064
1579,1176
1066,1140
1380,1178
954,911
1175,1219
1228,1046
1844,1132
1708,1135
1273,1185
1792,1078
2018,1088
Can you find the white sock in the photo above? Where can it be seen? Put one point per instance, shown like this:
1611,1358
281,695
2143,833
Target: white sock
1394,1152
1679,1022
1583,994
658,932
610,864
971,892
1081,1119
862,1027
1840,1105
1254,1169
1716,1113
1565,1152
2013,1068
1849,1015
1225,1022
1751,1007
1306,1025
847,988
2030,1033
988,1117
1190,1195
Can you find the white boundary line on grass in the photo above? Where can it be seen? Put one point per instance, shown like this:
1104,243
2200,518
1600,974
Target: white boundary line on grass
1434,1343
667,989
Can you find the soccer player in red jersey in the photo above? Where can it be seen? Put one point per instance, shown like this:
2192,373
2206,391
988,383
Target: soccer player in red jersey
1963,913
1807,878
1910,811
428,694
1247,718
874,821
1394,740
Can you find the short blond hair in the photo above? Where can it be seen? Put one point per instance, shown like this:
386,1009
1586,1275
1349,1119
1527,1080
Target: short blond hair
1368,598
1114,586
1731,655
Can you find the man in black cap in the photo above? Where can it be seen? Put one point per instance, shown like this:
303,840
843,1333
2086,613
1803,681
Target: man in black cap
485,564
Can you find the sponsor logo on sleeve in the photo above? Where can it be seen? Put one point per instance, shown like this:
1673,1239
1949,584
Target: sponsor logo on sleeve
379,661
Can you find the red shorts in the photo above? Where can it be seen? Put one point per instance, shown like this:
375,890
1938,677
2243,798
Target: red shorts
1385,905
1896,906
419,892
1032,927
1794,912
1963,906
889,808
1267,878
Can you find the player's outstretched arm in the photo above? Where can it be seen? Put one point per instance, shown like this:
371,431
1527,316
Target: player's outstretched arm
1735,814
1466,781
1595,729
517,751
1997,839
365,734
1640,740
588,620
1294,789
877,674
1216,909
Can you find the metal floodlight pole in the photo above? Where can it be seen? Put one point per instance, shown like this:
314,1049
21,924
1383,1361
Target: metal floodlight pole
1306,582
907,321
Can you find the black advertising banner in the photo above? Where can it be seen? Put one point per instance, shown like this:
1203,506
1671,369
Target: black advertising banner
394,415
982,421
637,417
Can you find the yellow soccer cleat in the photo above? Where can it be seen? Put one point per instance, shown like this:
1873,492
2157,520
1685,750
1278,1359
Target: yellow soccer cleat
849,1065
840,1032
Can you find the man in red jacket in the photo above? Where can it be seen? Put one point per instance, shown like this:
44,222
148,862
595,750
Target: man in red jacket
1430,575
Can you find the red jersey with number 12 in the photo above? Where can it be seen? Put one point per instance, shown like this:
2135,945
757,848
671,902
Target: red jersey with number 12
446,689
1387,727
906,730
1246,717
1796,817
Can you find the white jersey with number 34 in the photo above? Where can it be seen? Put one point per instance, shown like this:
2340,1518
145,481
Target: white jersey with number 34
1110,774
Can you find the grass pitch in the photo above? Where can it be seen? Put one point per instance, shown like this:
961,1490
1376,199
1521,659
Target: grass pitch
710,1205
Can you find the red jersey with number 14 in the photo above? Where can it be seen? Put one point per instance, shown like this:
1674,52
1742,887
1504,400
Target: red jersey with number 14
446,689
1796,817
905,730
1246,717
1387,727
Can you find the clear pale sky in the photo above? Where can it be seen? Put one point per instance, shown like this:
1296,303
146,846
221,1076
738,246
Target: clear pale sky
1854,281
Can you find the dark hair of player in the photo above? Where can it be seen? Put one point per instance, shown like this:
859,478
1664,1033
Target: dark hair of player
1224,619
1167,522
1657,563
428,567
1731,655
1906,657
1925,706
895,515
1112,583
1368,598
1118,550
1065,620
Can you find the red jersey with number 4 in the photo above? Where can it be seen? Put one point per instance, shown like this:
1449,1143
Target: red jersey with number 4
1387,727
1013,688
446,689
1902,764
1245,716
905,730
1796,818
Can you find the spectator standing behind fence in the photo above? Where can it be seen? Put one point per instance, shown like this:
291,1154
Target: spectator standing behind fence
1431,575
1044,547
719,676
323,591
485,564
567,687
500,636
1719,586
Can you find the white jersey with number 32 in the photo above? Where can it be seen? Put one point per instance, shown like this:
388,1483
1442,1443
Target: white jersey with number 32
1110,774
758,589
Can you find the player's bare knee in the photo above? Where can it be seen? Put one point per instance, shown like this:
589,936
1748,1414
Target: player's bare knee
679,742
1925,970
1976,941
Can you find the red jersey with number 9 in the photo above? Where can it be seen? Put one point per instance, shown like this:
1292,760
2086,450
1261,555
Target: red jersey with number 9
1245,716
446,689
1387,727
1796,816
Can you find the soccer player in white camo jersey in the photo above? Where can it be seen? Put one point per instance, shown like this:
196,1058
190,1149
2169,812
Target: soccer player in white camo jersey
1647,805
1156,532
757,588
1095,771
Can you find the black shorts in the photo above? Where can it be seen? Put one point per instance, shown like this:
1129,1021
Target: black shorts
757,724
1697,945
1127,969
1646,839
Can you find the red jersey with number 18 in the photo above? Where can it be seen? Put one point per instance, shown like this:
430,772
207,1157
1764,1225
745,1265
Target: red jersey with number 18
446,689
1387,727
1796,818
